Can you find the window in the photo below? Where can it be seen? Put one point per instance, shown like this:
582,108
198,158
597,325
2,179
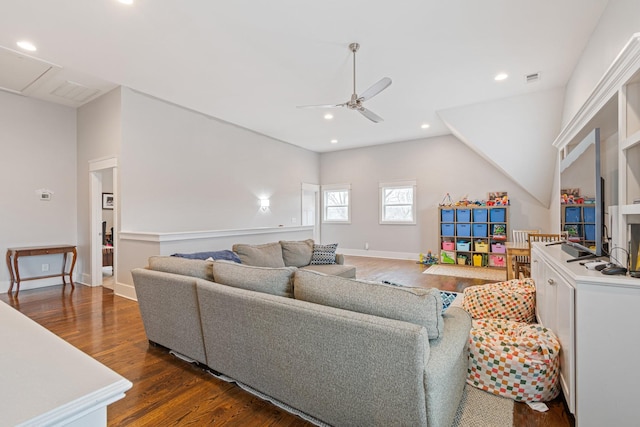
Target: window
337,199
397,202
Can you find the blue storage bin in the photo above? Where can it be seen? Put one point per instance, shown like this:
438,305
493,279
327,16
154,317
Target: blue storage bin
463,215
463,230
572,214
446,215
480,230
589,214
497,214
463,246
447,230
480,215
590,232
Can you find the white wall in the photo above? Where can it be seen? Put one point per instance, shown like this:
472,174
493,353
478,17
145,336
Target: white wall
440,165
620,20
99,136
184,171
38,146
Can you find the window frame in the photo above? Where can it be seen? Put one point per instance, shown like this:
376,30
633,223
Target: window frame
412,184
335,188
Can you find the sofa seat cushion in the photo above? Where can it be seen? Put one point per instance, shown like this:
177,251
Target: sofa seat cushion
267,255
297,253
275,281
183,266
420,306
348,271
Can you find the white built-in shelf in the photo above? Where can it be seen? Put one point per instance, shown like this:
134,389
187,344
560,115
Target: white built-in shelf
630,209
631,141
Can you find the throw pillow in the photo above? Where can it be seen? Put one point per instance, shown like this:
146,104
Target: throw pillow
324,254
275,281
267,255
421,306
297,253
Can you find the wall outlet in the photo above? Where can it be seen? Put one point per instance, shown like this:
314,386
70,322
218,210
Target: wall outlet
45,267
294,220
366,246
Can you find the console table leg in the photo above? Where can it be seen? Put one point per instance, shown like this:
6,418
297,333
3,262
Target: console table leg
11,276
16,271
64,268
73,264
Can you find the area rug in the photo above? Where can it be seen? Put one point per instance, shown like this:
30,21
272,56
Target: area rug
467,272
482,409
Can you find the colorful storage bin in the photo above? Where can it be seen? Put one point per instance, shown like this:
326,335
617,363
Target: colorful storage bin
497,261
477,260
498,248
447,257
462,259
446,215
480,230
463,215
572,214
448,246
589,214
481,246
590,232
447,230
512,300
497,214
514,360
480,215
463,230
463,246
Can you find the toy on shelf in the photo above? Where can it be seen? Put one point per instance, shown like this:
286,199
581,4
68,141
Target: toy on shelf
428,259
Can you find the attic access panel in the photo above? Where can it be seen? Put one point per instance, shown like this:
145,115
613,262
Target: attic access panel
19,72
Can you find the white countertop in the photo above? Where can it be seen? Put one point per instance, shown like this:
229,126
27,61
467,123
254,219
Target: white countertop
46,381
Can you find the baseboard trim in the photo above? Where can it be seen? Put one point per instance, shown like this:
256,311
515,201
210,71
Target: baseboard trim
379,254
125,291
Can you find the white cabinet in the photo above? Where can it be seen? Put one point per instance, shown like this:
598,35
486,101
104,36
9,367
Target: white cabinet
595,319
555,310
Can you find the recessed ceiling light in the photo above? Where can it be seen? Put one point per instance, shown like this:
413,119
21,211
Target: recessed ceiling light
334,141
501,76
26,45
127,2
425,126
328,116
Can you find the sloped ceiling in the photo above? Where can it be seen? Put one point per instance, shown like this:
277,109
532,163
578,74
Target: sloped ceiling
513,134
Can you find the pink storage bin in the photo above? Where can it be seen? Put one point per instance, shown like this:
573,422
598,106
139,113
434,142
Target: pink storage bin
448,246
498,248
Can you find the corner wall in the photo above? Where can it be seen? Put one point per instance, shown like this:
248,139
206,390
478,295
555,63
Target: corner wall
440,165
38,145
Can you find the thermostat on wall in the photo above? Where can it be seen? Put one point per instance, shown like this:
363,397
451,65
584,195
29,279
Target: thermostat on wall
44,195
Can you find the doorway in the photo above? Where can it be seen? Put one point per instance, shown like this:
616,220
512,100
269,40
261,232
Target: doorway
311,208
103,178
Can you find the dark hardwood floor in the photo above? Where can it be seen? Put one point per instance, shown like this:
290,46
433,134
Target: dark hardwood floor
170,392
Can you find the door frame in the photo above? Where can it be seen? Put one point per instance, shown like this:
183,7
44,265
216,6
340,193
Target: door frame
96,169
315,188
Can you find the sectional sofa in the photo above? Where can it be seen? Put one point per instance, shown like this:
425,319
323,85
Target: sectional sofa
343,351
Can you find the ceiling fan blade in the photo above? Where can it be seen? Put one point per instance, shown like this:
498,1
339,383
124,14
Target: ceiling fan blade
375,89
370,115
322,106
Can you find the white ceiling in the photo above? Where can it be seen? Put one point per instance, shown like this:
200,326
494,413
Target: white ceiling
252,62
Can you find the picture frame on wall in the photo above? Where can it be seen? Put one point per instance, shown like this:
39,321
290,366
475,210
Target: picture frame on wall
107,200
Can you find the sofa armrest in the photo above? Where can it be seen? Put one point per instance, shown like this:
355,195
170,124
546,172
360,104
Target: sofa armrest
339,259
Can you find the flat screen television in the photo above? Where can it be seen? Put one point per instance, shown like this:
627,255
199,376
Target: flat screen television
581,169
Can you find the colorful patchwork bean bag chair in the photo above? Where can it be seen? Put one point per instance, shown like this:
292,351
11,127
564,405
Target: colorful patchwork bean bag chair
511,300
514,360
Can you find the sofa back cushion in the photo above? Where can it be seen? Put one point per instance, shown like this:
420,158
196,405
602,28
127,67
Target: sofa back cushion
297,253
267,255
420,306
275,281
183,266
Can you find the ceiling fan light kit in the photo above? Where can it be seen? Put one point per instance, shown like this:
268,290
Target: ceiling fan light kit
356,102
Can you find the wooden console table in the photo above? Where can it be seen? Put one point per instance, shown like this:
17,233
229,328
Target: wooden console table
13,254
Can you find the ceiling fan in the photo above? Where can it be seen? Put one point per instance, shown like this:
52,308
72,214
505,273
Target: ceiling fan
355,103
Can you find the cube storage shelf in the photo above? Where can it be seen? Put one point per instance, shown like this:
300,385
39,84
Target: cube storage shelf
473,235
579,221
